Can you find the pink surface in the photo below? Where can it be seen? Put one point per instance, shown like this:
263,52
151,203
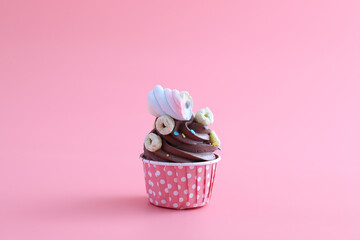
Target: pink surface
281,77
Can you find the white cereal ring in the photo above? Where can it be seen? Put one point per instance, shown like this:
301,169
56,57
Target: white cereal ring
204,116
153,142
165,124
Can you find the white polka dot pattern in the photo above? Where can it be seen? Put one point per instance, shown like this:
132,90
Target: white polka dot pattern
179,187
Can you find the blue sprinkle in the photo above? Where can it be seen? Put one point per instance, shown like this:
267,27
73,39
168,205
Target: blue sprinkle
176,133
206,127
192,131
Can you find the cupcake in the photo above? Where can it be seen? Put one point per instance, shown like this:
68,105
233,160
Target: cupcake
178,159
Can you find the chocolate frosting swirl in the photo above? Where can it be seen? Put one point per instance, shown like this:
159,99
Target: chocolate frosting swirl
188,142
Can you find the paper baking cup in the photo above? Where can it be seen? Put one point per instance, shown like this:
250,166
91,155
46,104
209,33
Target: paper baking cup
179,185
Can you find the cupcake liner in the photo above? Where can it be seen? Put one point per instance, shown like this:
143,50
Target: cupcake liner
179,185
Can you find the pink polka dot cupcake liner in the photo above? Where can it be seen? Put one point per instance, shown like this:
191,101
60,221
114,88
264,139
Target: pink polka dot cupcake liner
179,185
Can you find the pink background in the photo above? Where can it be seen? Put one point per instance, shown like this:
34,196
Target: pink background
282,78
